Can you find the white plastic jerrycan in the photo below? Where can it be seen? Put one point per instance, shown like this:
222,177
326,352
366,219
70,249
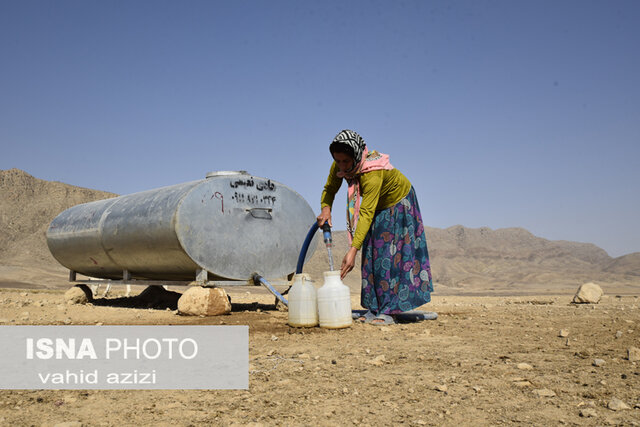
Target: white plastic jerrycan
303,303
334,302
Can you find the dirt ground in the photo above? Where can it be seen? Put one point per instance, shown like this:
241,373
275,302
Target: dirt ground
465,368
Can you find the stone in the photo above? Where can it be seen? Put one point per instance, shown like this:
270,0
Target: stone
563,333
588,412
633,354
544,392
442,388
598,362
69,424
200,301
522,384
377,361
79,294
588,293
618,334
616,404
524,367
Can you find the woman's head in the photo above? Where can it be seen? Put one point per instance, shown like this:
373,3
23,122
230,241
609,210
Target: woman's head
347,145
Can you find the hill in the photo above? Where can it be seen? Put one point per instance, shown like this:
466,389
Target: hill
27,206
509,260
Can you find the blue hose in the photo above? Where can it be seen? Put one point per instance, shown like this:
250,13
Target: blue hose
259,280
305,247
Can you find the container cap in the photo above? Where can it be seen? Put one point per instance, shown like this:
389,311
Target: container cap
225,173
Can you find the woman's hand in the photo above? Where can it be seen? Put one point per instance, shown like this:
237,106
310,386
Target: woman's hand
325,216
348,262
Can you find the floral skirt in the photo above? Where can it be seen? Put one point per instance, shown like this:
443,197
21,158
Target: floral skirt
396,274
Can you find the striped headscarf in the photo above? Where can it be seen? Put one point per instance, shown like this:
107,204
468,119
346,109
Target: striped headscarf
353,140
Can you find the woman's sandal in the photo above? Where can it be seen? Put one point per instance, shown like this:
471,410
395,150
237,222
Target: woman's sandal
385,320
367,317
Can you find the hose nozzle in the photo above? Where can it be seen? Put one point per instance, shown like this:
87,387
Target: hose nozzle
326,232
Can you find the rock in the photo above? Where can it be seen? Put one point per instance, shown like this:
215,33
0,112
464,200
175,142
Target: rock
588,293
79,294
442,388
633,354
274,338
377,361
304,356
588,413
598,362
563,333
69,424
618,334
544,392
617,405
199,301
524,367
522,384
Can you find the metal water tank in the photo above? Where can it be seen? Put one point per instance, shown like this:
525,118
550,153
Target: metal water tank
230,224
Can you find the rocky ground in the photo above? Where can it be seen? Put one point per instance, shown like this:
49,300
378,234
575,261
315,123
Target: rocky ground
485,361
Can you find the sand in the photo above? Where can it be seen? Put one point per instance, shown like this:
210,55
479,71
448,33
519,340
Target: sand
484,361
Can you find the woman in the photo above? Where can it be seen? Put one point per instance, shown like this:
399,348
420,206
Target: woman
386,225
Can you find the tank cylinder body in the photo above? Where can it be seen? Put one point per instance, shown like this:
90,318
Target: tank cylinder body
230,224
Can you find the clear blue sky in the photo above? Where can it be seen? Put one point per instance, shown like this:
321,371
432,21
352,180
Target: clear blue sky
501,113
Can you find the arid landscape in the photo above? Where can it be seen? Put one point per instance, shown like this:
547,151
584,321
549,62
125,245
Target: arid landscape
508,347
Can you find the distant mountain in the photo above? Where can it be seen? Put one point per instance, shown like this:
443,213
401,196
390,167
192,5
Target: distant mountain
506,260
626,264
27,206
467,259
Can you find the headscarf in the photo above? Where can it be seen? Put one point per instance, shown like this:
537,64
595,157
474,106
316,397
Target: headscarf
363,162
353,140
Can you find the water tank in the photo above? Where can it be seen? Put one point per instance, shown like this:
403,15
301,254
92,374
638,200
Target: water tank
230,224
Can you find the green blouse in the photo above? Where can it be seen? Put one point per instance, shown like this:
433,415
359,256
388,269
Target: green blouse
380,189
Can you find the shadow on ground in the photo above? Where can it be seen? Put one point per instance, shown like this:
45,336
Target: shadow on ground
158,298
